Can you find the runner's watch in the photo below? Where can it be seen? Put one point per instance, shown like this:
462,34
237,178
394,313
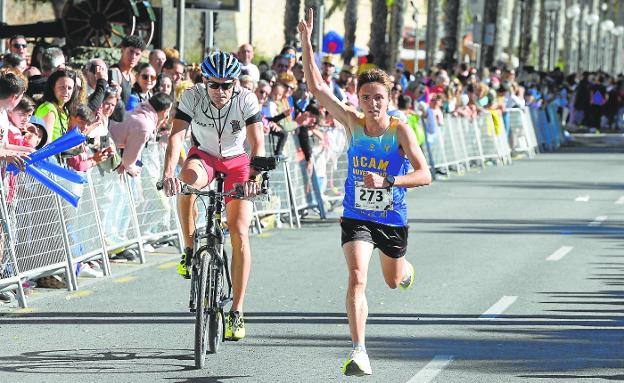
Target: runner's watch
390,179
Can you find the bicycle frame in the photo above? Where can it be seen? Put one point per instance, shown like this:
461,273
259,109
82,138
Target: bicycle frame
214,242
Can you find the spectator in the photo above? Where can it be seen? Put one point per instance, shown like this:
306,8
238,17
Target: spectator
404,103
289,53
247,82
263,66
145,82
269,110
165,84
15,61
134,132
346,75
269,76
101,135
59,99
83,158
96,75
51,60
245,55
396,91
12,87
19,117
157,59
34,134
328,69
175,69
121,73
281,64
18,46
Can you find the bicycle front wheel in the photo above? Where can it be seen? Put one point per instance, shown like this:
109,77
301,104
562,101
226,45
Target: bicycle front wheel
215,328
202,311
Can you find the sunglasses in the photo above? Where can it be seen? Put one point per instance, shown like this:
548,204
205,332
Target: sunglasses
148,77
288,55
217,85
20,45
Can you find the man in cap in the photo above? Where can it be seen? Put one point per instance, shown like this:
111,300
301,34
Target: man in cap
328,69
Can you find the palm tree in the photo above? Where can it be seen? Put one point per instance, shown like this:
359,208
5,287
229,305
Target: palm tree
568,31
542,38
377,42
452,19
432,33
395,34
317,33
350,23
489,18
526,29
291,19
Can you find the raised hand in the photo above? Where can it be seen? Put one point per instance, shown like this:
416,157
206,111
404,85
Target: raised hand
305,26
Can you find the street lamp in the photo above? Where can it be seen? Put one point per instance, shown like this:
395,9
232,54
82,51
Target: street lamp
551,7
590,20
571,14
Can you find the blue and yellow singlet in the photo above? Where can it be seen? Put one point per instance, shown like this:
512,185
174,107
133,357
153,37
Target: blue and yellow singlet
377,155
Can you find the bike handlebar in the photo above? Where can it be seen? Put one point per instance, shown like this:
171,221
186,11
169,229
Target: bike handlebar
237,192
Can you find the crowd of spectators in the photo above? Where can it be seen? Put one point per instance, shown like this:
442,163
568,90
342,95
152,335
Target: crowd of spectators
124,105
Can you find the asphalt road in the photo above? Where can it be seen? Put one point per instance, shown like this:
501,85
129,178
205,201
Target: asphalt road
520,275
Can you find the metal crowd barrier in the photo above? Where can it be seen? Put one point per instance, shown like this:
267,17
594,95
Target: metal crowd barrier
35,227
43,235
547,127
83,229
521,132
461,143
156,214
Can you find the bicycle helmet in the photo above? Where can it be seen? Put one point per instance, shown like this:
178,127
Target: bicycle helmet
221,65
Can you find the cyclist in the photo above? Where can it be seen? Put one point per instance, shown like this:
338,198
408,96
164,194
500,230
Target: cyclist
375,212
222,117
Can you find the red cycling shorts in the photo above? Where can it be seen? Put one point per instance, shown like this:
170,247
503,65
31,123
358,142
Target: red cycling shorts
236,169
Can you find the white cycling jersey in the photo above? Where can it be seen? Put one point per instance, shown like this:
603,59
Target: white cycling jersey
219,132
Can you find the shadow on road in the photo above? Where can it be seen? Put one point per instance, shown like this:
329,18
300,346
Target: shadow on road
109,361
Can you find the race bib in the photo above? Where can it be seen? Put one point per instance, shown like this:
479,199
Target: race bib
372,199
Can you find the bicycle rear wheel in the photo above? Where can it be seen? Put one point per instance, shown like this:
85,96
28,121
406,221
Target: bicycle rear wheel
202,310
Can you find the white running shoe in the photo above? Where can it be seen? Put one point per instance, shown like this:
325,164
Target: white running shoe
408,279
357,364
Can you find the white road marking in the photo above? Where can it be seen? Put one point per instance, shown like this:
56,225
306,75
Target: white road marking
598,220
499,307
560,253
432,369
582,198
620,201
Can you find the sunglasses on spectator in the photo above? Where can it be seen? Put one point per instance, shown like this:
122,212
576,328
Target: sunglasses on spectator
20,45
217,85
289,55
148,77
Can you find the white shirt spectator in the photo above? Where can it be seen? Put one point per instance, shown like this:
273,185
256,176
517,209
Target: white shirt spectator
252,70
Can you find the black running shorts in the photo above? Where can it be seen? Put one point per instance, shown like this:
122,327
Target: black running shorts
391,240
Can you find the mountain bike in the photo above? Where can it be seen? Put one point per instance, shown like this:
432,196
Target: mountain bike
211,283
